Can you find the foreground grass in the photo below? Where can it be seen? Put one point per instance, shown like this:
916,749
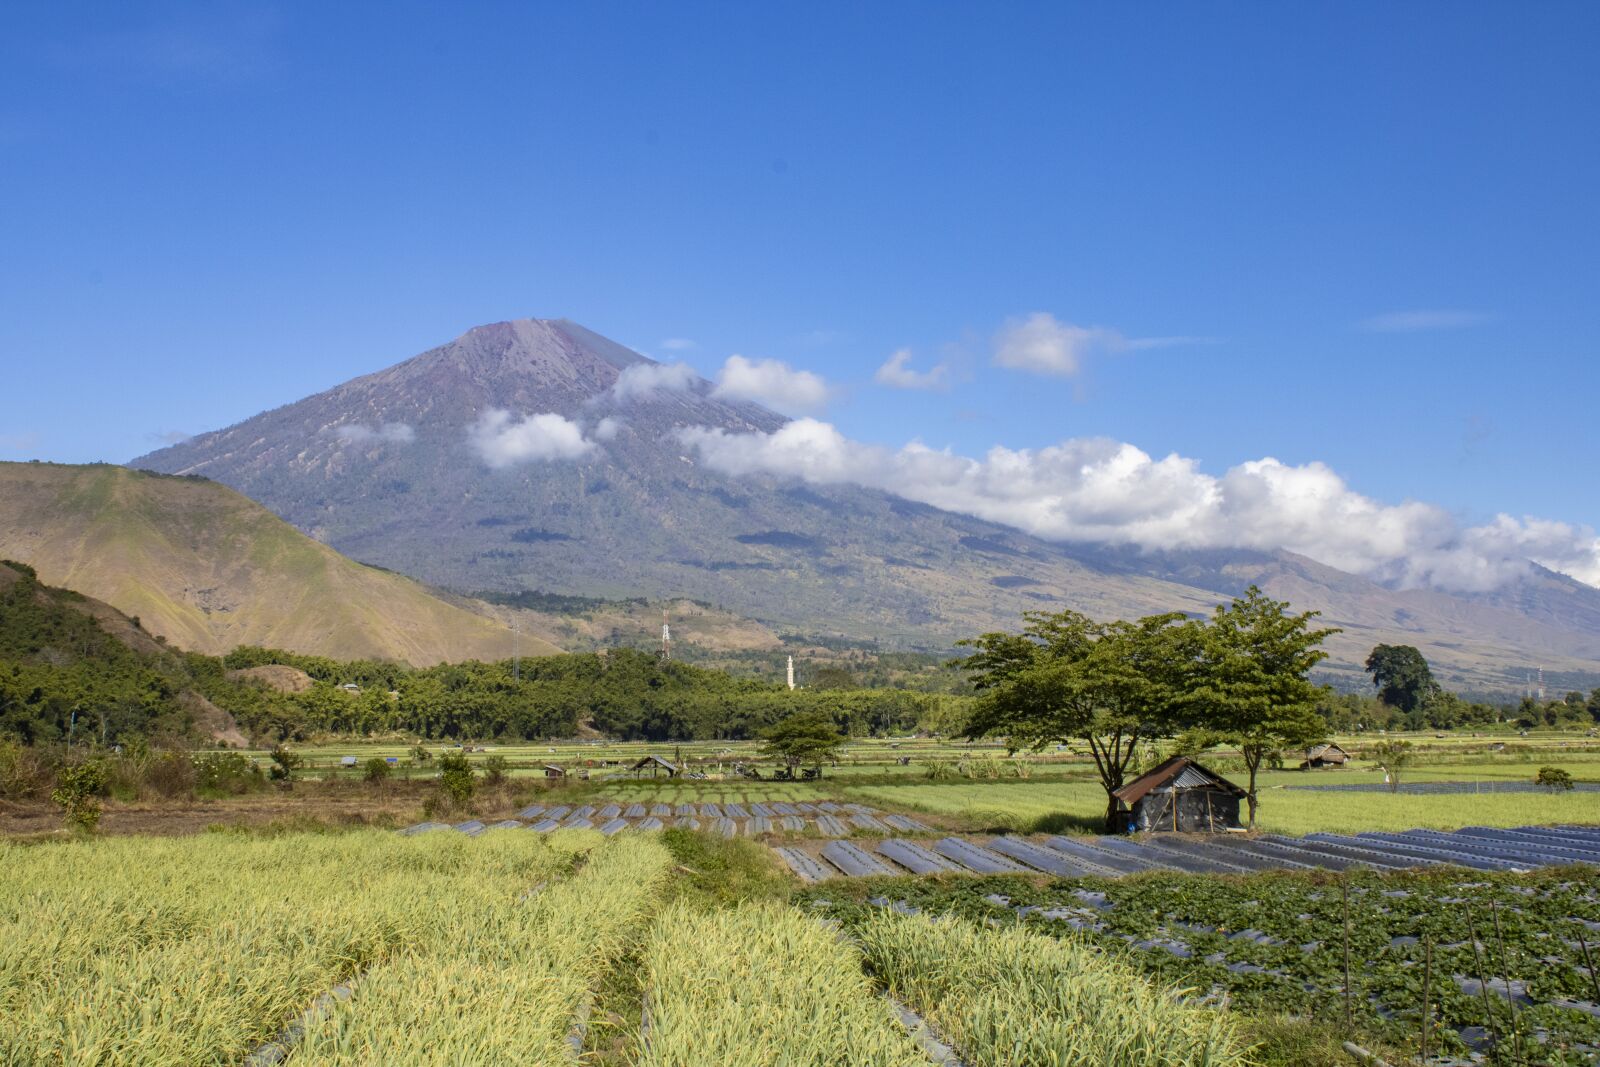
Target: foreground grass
196,950
508,979
762,984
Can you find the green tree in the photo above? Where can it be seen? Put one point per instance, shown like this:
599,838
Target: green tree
375,770
1069,678
804,738
456,779
1252,680
1554,778
284,762
1402,676
78,794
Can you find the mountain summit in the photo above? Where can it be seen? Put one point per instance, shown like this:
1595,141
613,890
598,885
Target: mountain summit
537,454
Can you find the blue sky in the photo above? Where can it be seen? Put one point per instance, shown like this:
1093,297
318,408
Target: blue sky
1370,228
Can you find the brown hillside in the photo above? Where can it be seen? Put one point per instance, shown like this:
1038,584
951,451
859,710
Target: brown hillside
210,569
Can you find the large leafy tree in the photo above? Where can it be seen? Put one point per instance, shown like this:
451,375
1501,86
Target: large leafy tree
1402,676
1252,682
804,738
1066,677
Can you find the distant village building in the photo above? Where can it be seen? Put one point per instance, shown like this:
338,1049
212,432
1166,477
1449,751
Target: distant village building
1182,796
1329,755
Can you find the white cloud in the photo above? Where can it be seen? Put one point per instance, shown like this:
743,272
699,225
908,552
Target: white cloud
1418,321
501,441
1043,344
643,380
896,374
607,428
678,344
1100,490
392,433
773,383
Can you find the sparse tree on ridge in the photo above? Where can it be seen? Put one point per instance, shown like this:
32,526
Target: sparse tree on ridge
1069,678
1252,684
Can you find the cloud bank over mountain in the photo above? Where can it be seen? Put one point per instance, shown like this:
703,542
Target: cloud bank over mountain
1101,490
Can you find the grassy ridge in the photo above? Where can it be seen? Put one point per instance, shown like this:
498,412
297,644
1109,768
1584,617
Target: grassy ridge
209,569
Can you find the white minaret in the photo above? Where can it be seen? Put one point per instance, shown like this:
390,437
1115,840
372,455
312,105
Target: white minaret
791,672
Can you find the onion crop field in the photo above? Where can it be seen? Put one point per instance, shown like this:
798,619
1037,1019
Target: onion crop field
200,950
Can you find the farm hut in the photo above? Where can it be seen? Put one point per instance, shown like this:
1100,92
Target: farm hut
1329,755
552,771
348,761
655,765
1180,795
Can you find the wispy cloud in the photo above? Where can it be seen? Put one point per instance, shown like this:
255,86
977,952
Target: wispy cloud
1101,490
1040,343
896,373
168,437
1419,321
773,383
390,433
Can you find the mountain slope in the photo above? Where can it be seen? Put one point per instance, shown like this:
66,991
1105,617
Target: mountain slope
384,468
57,646
208,569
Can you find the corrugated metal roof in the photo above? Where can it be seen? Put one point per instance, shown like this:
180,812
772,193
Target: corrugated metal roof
1180,772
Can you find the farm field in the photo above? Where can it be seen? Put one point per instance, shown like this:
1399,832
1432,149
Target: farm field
1505,954
509,946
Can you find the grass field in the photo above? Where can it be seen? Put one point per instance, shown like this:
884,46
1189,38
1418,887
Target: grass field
1080,805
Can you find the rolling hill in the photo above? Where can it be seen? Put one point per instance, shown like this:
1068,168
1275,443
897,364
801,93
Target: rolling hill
390,468
209,569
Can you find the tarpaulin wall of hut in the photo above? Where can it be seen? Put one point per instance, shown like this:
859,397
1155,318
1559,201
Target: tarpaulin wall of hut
1198,811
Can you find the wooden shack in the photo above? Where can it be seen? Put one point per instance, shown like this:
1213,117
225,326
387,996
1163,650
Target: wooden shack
1328,755
655,765
552,771
1182,796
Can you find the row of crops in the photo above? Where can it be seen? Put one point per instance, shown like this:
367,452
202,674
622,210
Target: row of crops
527,948
438,950
1487,964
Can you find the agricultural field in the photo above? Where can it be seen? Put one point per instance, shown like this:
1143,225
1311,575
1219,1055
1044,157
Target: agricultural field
1505,960
510,946
1066,806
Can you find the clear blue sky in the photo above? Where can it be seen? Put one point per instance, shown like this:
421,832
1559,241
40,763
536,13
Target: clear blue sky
207,210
